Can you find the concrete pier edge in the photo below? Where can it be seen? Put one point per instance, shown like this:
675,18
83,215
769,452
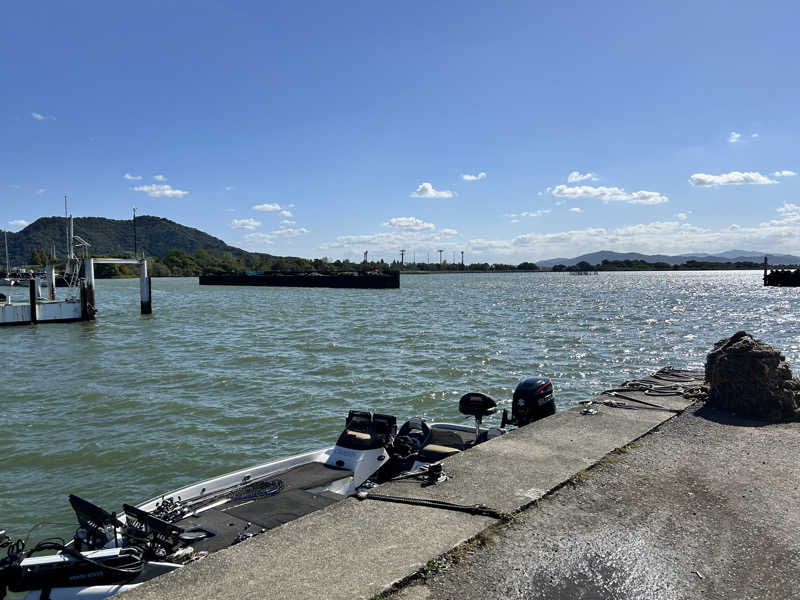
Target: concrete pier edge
479,538
367,549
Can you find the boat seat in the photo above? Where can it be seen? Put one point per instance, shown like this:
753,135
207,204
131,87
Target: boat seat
433,453
358,437
441,444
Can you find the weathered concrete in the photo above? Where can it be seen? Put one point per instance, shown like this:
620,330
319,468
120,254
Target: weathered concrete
704,507
357,549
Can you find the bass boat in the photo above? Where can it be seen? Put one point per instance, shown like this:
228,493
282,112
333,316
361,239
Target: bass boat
112,552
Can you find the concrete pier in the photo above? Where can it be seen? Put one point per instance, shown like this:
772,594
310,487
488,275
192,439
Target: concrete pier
361,549
705,507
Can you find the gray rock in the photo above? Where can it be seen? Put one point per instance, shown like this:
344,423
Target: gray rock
750,378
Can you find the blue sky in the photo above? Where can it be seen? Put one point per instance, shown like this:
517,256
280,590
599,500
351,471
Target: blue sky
511,131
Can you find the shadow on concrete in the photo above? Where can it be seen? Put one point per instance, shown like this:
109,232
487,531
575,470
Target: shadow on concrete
723,417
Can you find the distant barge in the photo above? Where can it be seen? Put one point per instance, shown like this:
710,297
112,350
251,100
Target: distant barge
348,279
782,277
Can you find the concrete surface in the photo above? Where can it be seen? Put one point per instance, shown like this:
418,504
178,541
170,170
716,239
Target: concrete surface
359,549
707,506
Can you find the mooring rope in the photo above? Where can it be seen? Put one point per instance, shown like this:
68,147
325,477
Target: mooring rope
474,509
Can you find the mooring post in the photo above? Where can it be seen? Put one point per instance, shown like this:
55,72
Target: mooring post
51,281
88,270
144,288
84,305
765,270
32,295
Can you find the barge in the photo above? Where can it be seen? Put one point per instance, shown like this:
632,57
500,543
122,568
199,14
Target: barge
348,279
781,277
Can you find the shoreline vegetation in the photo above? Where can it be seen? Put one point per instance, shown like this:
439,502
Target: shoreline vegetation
178,263
174,250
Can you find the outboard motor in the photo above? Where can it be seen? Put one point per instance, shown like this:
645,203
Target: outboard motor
533,400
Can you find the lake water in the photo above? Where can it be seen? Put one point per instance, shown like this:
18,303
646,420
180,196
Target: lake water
218,378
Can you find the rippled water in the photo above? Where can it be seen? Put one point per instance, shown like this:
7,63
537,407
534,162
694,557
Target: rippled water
222,377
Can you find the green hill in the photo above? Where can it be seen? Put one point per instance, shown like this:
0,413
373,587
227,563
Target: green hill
155,235
173,249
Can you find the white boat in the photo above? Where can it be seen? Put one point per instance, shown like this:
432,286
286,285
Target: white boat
115,552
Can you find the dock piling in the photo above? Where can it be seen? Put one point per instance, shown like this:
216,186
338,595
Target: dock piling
32,295
144,288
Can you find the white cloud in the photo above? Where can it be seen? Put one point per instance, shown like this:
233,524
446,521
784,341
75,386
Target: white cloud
732,178
789,209
289,232
576,176
14,186
40,191
414,235
41,117
660,237
734,137
267,207
755,135
286,213
288,222
409,224
536,213
784,173
245,224
426,190
575,210
467,177
257,241
230,188
19,223
608,194
159,177
130,177
160,191
682,216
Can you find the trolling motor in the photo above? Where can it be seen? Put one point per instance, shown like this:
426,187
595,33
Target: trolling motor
533,400
478,405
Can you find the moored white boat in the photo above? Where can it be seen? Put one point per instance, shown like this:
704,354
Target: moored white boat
114,552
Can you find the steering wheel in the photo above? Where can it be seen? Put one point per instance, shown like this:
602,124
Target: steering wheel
413,435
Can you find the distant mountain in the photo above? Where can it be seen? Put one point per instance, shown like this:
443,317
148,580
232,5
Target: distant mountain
155,235
595,258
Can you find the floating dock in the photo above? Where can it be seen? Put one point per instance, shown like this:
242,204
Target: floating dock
79,304
350,279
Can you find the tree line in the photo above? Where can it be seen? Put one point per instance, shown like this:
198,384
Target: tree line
179,263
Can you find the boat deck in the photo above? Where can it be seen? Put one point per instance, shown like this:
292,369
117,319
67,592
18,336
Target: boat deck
252,514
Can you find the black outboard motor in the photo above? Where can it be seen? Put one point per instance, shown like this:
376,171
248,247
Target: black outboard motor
533,400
